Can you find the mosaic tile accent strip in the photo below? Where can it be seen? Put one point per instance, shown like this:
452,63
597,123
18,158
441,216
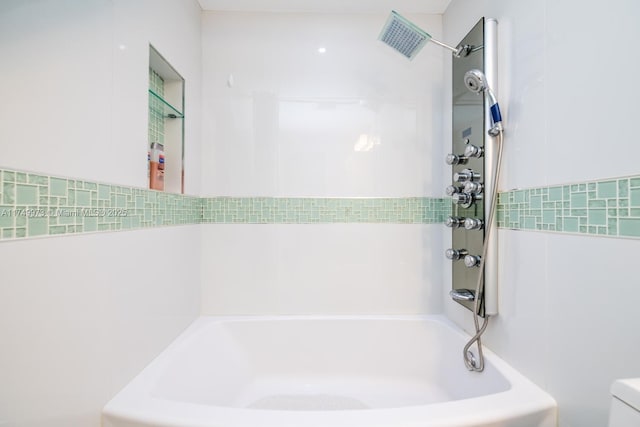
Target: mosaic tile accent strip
267,210
156,109
33,205
608,207
38,205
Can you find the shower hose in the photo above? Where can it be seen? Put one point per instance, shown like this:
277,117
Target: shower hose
471,362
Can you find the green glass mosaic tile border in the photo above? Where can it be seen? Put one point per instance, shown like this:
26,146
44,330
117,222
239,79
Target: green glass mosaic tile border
34,205
267,210
608,207
37,205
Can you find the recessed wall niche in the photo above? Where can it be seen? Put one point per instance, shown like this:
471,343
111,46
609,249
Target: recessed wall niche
166,125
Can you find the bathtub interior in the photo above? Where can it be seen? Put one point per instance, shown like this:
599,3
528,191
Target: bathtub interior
321,364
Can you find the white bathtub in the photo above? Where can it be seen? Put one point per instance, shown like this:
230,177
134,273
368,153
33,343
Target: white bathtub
391,371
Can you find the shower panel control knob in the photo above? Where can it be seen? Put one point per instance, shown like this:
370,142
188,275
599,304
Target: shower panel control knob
473,151
451,190
466,175
473,187
473,224
454,221
454,159
455,254
464,199
472,260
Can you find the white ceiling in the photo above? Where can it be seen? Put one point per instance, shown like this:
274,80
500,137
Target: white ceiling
324,6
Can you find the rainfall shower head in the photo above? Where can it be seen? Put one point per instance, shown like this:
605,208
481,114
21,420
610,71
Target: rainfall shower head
406,37
476,82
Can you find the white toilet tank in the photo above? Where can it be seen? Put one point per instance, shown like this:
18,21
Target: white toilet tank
625,403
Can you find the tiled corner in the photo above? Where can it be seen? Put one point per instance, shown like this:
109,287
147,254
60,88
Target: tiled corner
609,207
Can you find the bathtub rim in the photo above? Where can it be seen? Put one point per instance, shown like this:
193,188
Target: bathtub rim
135,402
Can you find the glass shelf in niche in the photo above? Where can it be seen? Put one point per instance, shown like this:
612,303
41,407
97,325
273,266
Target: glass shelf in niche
159,105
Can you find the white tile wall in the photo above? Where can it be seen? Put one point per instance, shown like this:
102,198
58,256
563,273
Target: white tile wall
57,74
291,123
81,315
73,72
563,319
320,269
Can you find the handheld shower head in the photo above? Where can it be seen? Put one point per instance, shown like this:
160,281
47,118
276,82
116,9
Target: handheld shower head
476,82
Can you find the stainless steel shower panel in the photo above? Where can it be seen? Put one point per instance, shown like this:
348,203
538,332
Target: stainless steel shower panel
468,175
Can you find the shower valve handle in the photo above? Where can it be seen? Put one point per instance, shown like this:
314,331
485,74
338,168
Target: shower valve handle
473,224
452,189
473,187
454,159
473,151
454,221
472,260
466,199
455,254
466,175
